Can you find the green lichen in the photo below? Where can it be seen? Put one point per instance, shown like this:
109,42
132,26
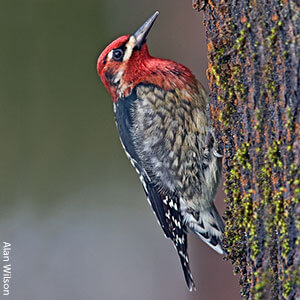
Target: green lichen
270,85
290,121
214,72
273,154
273,36
291,279
241,206
280,221
240,41
258,119
242,156
264,182
261,286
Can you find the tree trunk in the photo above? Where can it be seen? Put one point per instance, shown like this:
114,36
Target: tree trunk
254,75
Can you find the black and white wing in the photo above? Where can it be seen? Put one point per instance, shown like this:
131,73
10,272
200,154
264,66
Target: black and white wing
165,204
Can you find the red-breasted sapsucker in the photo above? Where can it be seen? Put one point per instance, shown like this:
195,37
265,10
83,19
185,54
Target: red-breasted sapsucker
163,121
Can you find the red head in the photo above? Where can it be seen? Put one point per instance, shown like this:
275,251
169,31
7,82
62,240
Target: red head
126,62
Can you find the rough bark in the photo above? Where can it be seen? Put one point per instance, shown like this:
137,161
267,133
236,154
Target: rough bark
254,75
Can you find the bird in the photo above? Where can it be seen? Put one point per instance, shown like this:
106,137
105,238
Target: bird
162,114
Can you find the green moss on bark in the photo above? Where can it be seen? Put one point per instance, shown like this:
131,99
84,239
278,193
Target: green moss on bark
254,67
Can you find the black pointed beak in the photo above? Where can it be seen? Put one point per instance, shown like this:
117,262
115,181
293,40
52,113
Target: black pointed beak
142,32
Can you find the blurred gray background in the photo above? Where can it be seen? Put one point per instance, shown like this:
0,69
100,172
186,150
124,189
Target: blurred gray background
71,204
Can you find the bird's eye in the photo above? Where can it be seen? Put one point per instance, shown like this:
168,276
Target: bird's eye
118,54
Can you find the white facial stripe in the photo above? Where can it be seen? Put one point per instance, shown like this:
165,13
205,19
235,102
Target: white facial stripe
110,54
118,76
129,48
